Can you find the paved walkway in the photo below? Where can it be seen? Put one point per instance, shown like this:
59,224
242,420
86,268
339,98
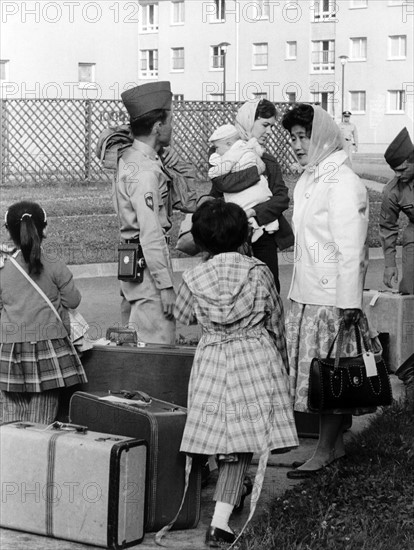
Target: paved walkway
100,306
275,484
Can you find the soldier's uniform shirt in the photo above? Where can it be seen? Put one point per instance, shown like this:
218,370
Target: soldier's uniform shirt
398,197
349,132
142,201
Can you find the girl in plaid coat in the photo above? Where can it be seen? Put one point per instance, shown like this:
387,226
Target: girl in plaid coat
37,358
238,399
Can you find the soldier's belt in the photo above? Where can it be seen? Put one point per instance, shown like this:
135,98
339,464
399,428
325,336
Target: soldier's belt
137,241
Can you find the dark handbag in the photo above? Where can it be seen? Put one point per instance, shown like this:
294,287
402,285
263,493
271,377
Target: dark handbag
342,382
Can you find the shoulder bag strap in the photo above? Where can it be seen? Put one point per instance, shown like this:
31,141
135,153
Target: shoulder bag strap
36,287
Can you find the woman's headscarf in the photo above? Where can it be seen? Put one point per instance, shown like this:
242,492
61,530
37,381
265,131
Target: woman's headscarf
245,119
326,137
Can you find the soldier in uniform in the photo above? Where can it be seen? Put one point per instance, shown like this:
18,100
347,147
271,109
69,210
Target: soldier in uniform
399,197
142,201
349,133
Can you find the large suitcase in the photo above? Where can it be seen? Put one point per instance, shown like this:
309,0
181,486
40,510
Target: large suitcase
393,313
77,485
162,425
161,371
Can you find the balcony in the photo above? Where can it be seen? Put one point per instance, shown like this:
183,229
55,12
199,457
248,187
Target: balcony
323,61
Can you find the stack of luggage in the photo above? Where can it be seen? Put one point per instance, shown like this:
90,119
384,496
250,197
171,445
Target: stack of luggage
114,471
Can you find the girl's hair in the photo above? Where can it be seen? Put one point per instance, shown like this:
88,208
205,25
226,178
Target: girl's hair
25,222
219,226
265,109
301,115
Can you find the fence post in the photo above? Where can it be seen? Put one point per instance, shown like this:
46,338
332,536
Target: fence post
88,138
4,140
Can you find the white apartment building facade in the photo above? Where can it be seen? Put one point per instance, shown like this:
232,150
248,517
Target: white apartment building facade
289,51
284,50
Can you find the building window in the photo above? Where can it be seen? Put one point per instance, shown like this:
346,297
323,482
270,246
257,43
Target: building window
324,10
397,47
358,101
217,57
257,10
291,50
359,4
177,12
149,17
260,56
396,2
149,63
323,56
396,101
4,69
325,100
177,59
260,95
215,97
291,97
358,49
264,7
220,10
86,74
178,97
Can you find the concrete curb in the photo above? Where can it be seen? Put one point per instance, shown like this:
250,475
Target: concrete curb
182,264
87,271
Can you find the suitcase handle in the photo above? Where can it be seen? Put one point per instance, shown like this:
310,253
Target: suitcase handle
131,394
66,426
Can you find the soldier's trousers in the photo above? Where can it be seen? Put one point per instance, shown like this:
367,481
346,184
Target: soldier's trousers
142,310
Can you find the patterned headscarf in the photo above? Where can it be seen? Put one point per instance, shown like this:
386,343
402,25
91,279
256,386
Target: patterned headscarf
245,119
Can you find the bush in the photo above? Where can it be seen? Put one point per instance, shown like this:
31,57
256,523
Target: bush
365,502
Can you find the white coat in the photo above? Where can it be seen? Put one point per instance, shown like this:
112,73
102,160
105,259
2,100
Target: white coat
330,219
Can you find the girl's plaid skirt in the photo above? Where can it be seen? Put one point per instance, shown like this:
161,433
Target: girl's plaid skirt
39,366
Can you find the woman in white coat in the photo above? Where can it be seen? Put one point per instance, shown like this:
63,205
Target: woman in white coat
330,218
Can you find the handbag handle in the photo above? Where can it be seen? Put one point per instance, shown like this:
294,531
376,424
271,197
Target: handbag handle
340,336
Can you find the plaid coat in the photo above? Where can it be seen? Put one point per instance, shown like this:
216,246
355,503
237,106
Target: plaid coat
238,398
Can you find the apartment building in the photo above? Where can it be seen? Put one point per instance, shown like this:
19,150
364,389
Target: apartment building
345,54
68,50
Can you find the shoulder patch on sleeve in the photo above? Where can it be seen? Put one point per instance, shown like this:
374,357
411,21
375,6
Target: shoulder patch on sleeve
149,200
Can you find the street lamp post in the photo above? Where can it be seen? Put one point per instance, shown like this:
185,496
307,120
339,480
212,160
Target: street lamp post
344,60
223,49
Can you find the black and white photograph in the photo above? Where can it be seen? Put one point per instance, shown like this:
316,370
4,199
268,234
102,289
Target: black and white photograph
207,274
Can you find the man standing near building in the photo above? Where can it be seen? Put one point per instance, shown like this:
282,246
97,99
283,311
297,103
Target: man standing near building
399,197
349,133
142,201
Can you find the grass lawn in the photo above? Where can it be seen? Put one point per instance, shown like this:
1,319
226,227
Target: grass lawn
84,229
364,503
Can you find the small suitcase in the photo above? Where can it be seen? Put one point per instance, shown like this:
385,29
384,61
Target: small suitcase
393,313
161,424
69,483
161,371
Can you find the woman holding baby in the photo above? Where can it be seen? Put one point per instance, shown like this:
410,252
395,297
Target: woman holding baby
255,121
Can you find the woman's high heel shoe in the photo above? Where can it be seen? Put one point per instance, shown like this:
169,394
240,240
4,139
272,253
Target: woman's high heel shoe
247,490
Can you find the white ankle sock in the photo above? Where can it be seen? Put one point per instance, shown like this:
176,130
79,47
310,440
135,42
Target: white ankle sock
222,513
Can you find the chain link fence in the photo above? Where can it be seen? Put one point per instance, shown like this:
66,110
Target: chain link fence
49,141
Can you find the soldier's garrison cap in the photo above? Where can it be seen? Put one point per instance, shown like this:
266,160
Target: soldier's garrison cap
399,149
146,98
347,113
